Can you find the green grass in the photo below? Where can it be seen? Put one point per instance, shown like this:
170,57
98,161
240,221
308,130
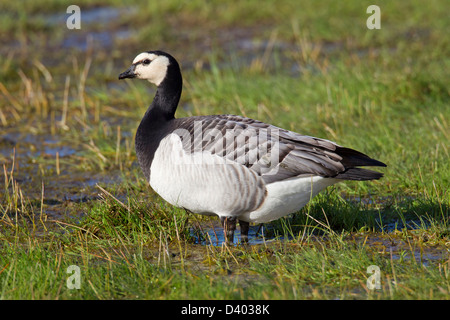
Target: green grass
130,266
312,68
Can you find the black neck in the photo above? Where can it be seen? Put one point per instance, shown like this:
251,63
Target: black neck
155,123
164,103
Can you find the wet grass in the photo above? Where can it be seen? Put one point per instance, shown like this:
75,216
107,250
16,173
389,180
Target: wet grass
72,194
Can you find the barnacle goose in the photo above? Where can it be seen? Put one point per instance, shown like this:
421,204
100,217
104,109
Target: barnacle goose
234,167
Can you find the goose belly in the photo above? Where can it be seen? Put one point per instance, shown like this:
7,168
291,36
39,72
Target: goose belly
287,196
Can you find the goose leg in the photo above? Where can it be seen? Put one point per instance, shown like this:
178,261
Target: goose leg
244,230
229,225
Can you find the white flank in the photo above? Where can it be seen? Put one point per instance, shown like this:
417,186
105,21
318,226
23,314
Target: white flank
209,184
287,196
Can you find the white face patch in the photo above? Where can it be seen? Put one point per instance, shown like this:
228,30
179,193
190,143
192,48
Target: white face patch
155,72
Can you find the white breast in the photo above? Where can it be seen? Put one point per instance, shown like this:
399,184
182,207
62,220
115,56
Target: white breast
203,182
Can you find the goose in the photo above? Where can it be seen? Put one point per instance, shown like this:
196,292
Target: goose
240,169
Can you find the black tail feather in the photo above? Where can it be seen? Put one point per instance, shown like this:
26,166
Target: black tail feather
352,158
359,174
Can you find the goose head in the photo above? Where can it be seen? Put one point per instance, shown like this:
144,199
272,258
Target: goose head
151,65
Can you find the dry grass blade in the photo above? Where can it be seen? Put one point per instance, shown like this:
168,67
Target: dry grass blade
112,197
11,99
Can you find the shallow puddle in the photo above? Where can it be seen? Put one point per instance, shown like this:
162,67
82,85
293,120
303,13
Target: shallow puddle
215,235
396,248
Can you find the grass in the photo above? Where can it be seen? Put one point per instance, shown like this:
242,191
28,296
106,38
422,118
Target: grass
129,265
72,193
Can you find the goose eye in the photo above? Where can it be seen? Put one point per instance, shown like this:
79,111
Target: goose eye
146,61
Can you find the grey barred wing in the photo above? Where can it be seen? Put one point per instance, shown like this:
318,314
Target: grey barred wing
273,153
